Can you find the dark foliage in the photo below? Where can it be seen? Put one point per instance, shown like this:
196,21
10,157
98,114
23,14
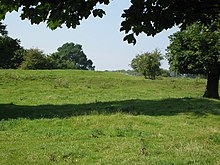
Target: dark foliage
11,53
71,56
3,30
148,16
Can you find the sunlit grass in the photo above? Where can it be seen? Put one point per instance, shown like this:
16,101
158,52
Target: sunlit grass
83,117
61,87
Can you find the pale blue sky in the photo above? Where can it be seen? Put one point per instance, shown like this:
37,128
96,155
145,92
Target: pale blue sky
101,39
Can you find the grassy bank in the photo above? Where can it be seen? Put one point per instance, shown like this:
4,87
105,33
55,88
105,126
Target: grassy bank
83,117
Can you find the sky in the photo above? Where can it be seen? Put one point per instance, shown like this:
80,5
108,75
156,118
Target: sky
100,38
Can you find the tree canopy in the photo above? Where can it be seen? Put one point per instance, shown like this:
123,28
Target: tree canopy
3,30
148,16
35,59
11,53
148,64
154,16
72,55
196,50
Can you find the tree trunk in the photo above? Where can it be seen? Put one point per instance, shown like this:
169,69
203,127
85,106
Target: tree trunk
145,75
212,86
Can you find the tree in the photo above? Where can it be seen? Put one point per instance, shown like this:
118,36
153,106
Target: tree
148,64
154,16
72,55
60,63
148,16
165,73
3,30
196,50
11,53
35,59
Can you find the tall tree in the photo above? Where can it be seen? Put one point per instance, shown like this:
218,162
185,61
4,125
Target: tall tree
60,63
148,16
148,64
196,50
73,53
11,53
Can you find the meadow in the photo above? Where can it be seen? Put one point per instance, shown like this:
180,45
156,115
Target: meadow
88,117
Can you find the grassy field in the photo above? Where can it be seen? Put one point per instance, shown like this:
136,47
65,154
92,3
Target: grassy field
85,117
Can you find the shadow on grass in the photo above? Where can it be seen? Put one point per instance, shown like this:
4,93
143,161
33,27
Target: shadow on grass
166,107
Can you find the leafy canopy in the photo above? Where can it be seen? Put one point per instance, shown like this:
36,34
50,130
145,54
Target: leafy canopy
195,50
34,59
3,30
73,54
148,16
154,16
11,53
147,64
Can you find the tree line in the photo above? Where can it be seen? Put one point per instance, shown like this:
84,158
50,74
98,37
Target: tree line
14,56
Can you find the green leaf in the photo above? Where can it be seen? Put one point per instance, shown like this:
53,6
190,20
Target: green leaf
130,39
53,25
106,2
98,12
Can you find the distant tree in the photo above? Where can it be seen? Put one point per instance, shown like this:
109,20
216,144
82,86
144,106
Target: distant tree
165,73
71,56
11,53
3,30
90,65
148,64
196,50
35,59
148,16
60,63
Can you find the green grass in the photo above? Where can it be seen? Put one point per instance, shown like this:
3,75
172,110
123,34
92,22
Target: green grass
84,117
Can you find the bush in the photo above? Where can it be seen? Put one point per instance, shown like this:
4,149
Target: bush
35,59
